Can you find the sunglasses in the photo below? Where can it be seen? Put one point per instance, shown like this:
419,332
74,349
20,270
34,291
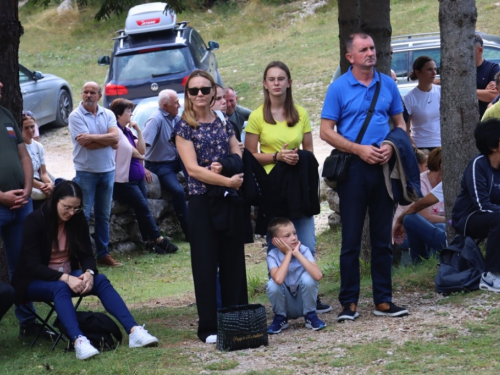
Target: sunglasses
204,90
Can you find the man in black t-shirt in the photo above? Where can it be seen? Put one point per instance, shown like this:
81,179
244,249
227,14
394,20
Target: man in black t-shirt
486,70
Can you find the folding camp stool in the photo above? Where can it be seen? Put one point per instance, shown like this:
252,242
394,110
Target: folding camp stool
46,325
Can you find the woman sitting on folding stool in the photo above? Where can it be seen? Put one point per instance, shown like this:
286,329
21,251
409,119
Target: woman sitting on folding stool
57,263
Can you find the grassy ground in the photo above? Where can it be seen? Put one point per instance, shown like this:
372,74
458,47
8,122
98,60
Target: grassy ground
159,288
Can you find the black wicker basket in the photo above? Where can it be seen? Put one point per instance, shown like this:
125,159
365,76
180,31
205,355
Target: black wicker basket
241,327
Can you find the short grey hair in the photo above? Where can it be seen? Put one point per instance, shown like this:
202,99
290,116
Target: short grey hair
165,96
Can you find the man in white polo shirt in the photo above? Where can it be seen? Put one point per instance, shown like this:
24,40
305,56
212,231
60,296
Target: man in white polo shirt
94,134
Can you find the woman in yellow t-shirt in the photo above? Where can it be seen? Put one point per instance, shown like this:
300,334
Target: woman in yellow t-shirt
274,133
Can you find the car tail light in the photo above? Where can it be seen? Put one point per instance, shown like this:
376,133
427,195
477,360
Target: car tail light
115,90
184,81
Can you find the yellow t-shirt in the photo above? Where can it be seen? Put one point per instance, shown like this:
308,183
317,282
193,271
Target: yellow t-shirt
273,137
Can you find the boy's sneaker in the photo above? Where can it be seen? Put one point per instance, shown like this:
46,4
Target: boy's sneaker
279,323
313,322
322,308
490,281
389,309
348,312
141,338
84,349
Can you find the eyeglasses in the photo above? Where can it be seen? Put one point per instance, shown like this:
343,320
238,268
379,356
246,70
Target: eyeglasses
204,90
75,210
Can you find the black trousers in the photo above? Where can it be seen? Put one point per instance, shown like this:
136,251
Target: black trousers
210,248
6,298
487,224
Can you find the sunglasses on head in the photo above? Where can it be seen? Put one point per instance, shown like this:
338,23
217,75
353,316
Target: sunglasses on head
204,90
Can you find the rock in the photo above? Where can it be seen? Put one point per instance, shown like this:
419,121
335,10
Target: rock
165,195
333,200
154,188
124,219
118,208
134,232
334,220
158,208
169,226
117,233
123,247
66,6
322,186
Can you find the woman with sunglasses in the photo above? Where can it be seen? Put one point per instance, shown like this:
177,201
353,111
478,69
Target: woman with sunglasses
275,132
57,263
210,153
42,184
130,186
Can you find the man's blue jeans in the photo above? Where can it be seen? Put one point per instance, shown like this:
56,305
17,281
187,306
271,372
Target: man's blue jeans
167,174
134,194
11,231
285,304
98,192
60,293
424,237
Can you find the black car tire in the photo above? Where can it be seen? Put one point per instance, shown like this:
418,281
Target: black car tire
64,108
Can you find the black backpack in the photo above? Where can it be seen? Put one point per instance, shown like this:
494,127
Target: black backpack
97,327
461,266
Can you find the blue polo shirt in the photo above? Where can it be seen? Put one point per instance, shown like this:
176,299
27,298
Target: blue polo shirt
347,102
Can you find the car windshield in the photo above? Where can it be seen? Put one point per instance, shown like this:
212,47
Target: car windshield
151,63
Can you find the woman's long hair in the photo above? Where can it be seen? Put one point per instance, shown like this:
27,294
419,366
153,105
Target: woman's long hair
73,226
291,114
189,114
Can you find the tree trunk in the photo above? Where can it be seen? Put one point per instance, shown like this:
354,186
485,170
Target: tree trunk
10,32
372,18
459,109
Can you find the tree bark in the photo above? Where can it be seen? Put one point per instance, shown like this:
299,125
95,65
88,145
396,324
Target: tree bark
10,33
372,18
459,108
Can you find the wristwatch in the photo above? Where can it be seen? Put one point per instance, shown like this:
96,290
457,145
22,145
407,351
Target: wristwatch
90,271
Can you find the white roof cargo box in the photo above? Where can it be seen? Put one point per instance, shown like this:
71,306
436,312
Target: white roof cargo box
147,18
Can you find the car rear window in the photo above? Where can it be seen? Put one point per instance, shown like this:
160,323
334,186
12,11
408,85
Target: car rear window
150,63
491,54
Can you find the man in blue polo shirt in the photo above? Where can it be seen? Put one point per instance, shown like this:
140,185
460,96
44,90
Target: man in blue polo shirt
485,77
346,105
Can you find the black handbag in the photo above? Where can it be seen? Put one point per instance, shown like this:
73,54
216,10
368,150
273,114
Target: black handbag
336,165
241,327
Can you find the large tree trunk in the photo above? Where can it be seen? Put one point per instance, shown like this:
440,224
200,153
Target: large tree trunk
10,32
372,18
459,109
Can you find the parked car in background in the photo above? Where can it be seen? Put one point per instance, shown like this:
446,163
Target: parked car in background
146,107
154,53
406,49
48,96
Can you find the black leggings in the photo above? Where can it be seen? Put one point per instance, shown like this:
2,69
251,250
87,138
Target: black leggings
210,248
487,224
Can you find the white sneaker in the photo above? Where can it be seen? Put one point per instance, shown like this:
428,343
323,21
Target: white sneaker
490,281
141,338
212,339
84,349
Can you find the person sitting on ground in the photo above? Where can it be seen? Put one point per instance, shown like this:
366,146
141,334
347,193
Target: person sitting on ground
477,208
429,222
6,298
293,286
130,186
42,184
435,237
57,264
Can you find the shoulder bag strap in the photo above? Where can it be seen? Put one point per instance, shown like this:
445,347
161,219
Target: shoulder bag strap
370,111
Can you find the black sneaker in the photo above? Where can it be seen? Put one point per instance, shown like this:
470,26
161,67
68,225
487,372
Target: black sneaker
165,247
32,329
389,309
348,312
322,308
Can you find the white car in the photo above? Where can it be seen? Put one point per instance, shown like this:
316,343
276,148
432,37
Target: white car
146,107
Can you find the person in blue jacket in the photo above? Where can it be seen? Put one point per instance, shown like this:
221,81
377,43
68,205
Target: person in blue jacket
477,209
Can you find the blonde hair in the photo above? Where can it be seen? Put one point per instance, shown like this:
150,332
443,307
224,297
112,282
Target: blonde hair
189,114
